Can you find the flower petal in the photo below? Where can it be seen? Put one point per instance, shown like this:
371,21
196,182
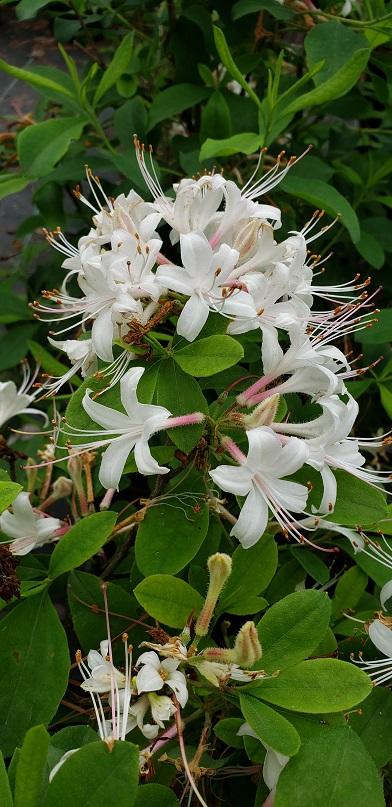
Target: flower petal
110,419
252,520
233,479
381,636
192,318
113,461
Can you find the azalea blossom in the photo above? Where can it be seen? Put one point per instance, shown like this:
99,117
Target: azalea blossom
259,477
154,674
380,634
14,401
202,278
28,528
162,709
102,671
121,433
273,765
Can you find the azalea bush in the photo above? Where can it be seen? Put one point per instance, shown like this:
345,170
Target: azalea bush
195,562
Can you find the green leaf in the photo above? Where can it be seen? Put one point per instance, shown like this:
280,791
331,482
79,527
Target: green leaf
5,790
155,795
27,9
81,542
88,611
35,79
41,146
12,183
31,770
97,774
386,397
270,726
14,344
332,769
170,535
215,117
292,628
168,599
244,143
179,393
373,724
336,44
252,571
350,587
8,492
357,503
208,356
230,65
380,332
116,68
334,87
312,564
48,363
243,7
34,666
227,731
370,249
324,197
316,687
174,100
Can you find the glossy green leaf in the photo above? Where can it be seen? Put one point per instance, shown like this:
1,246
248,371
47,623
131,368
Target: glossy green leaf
292,628
208,356
12,183
317,686
230,65
5,789
116,68
81,542
31,770
373,724
155,795
270,726
324,197
168,599
336,44
380,331
331,770
357,503
170,536
244,7
41,146
97,774
33,649
35,79
174,100
244,143
179,393
252,571
8,492
334,87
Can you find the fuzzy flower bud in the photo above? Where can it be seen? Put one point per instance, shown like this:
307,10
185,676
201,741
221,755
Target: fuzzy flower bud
247,647
61,488
263,415
219,567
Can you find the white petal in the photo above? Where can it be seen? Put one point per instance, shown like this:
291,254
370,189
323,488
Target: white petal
196,254
148,679
192,318
23,511
233,479
386,593
113,461
252,520
145,462
177,682
102,335
271,350
381,636
290,495
105,416
174,278
150,658
330,490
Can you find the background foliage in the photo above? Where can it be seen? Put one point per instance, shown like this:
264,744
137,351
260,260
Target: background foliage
207,84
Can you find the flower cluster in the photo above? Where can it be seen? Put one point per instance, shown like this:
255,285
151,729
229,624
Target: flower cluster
223,256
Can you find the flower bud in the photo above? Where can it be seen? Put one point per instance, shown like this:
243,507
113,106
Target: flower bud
246,238
247,647
219,567
263,415
31,473
61,488
222,655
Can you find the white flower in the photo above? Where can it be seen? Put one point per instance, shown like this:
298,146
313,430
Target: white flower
379,670
15,401
28,528
259,478
154,674
273,763
102,672
122,433
201,278
162,710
